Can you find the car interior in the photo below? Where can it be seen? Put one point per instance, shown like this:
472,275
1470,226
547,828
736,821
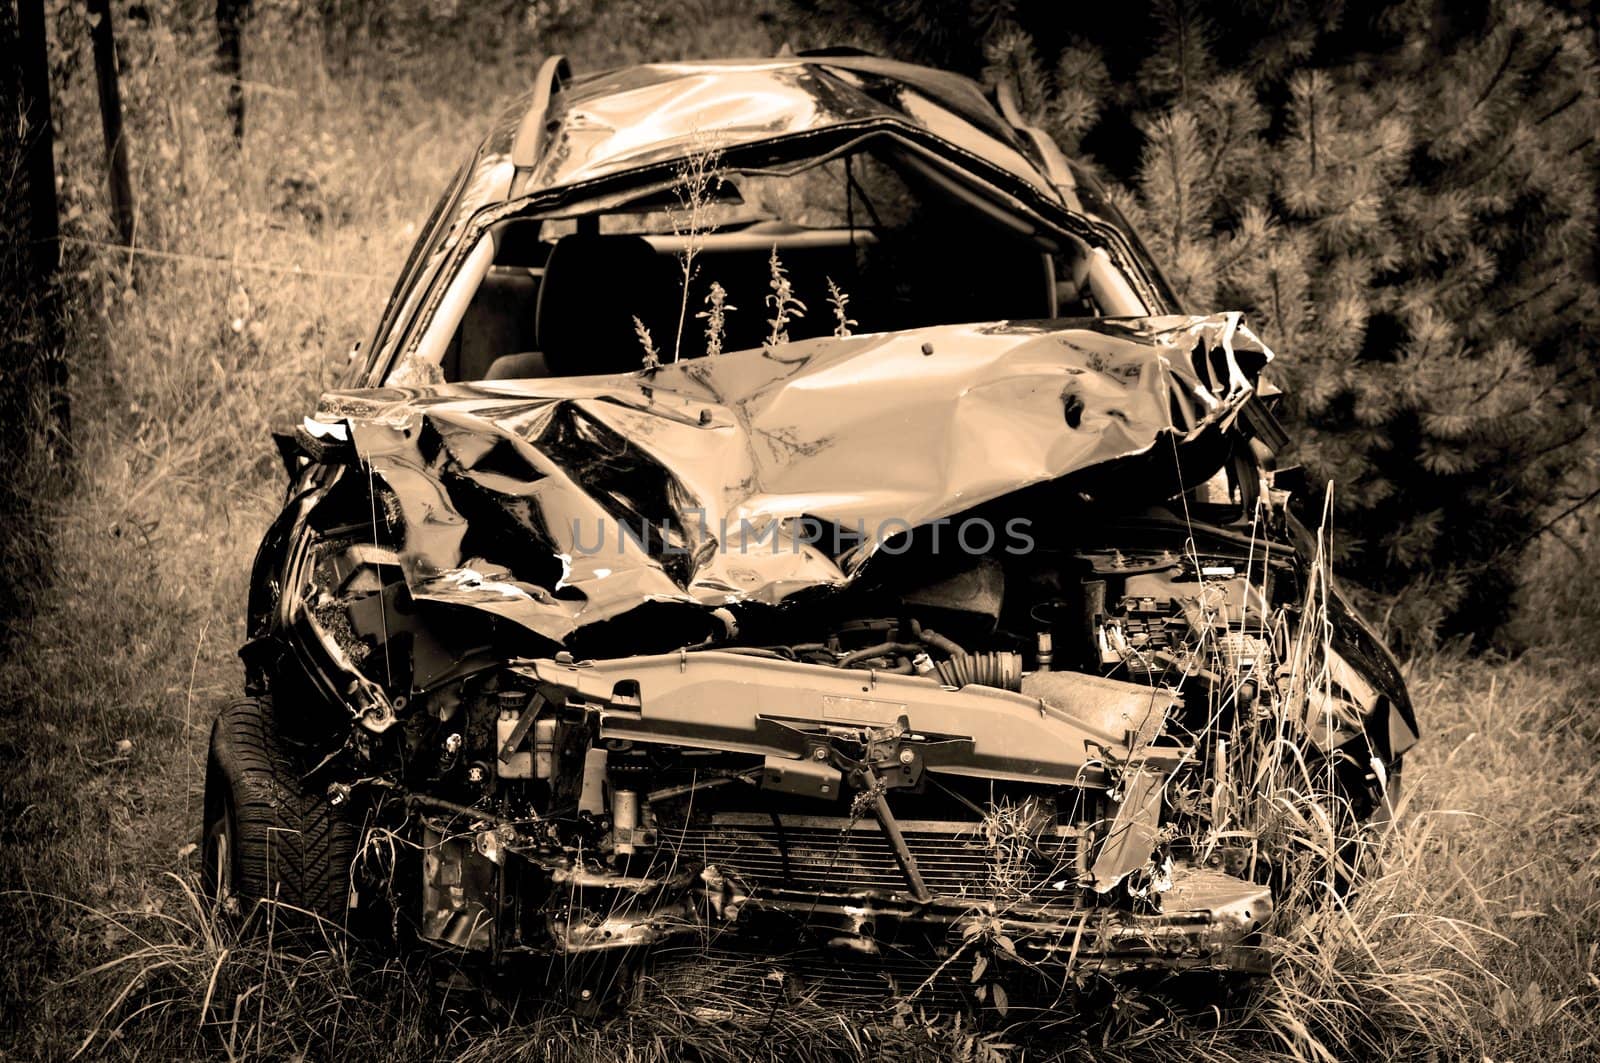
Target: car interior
560,296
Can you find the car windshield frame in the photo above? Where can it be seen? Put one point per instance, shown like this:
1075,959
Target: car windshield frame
1051,223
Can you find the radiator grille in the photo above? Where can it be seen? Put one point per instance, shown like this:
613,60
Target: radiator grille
722,984
836,856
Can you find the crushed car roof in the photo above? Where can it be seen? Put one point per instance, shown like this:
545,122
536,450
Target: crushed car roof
616,120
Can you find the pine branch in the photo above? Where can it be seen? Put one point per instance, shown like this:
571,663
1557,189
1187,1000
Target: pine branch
1484,173
1505,64
1277,300
1488,389
1560,107
1530,297
1557,519
1578,437
1183,53
1311,132
1178,218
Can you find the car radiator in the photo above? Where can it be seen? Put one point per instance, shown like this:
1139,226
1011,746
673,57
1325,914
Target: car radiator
838,855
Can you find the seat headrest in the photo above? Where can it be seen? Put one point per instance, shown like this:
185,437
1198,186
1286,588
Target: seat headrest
593,287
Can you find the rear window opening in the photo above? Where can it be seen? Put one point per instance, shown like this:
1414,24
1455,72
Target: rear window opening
558,295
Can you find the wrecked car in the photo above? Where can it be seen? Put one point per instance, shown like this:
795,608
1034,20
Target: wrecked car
785,540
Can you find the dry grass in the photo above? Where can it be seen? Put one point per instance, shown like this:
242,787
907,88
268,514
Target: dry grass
1476,938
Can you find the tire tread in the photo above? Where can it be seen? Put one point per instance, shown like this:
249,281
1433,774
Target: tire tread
292,845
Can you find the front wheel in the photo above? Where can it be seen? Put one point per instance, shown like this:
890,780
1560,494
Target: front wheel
265,836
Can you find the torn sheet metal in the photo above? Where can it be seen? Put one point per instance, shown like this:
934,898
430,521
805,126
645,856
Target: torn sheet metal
754,475
1133,833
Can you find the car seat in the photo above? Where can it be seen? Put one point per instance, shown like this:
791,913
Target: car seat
594,286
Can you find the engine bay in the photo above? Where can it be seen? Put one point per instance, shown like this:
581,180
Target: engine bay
1046,741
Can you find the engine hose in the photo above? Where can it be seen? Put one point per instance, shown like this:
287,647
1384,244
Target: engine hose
902,665
780,653
932,638
999,668
883,649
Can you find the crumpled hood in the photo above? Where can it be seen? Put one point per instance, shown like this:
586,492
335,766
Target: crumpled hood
556,503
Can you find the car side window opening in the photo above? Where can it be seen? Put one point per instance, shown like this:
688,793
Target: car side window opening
558,295
406,291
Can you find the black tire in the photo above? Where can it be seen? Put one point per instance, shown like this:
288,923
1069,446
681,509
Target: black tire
266,836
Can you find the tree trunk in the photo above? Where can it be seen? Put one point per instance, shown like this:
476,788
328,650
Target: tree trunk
39,148
231,15
105,72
